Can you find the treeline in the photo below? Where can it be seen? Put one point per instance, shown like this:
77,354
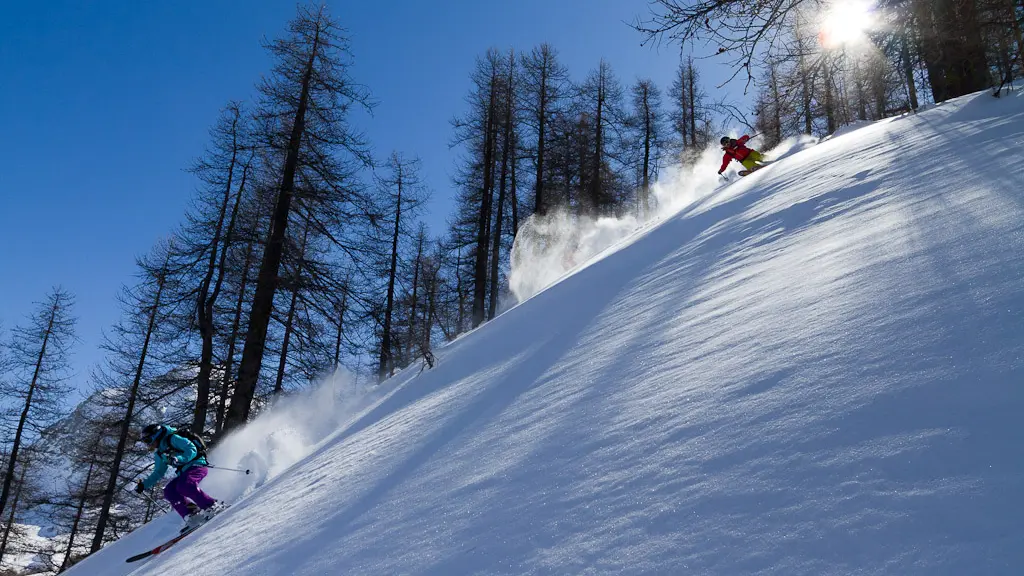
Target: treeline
916,51
535,140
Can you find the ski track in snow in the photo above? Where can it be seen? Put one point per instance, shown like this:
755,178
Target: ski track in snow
814,370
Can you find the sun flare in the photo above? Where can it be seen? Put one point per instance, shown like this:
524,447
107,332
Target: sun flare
846,22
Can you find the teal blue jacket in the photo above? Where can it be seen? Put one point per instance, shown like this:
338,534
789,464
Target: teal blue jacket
173,451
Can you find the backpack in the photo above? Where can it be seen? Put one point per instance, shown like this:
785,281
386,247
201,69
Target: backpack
196,440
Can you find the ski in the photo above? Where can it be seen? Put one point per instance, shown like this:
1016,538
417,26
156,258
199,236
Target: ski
179,537
163,546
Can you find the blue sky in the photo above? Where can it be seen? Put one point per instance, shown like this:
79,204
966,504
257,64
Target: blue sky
103,104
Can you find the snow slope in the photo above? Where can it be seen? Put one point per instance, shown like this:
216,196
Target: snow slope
815,370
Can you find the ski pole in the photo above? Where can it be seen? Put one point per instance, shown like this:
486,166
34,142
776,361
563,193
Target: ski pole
227,469
150,498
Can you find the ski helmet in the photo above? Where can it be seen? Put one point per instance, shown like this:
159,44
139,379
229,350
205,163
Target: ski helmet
725,140
152,433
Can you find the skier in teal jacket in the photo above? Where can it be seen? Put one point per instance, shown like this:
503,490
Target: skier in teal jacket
172,449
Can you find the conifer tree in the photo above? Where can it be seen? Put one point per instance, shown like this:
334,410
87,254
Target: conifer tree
478,132
689,108
37,361
601,103
205,241
137,360
545,87
645,124
401,195
306,103
509,147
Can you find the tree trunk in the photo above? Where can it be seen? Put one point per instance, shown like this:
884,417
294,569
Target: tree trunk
23,420
79,510
385,364
929,46
805,82
459,292
10,518
341,326
953,47
645,187
512,190
207,300
598,157
567,169
972,66
878,90
290,318
484,221
500,214
583,163
936,74
428,323
862,105
684,106
776,112
539,206
205,304
126,422
692,77
266,281
229,359
908,71
1018,36
415,300
830,107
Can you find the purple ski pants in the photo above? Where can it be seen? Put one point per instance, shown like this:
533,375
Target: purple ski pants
185,487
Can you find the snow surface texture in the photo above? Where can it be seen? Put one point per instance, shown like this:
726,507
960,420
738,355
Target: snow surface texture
814,370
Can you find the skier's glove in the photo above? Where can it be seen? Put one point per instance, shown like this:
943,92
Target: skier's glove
139,487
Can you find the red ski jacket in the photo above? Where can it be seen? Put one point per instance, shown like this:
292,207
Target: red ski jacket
739,152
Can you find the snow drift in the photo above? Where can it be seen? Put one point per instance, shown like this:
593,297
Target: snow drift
284,434
816,369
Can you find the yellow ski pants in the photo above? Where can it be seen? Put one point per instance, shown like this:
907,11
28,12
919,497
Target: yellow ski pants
749,161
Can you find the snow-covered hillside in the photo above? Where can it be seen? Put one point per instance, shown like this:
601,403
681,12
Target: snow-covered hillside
818,369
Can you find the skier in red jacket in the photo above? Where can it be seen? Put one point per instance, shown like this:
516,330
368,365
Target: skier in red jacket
750,158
